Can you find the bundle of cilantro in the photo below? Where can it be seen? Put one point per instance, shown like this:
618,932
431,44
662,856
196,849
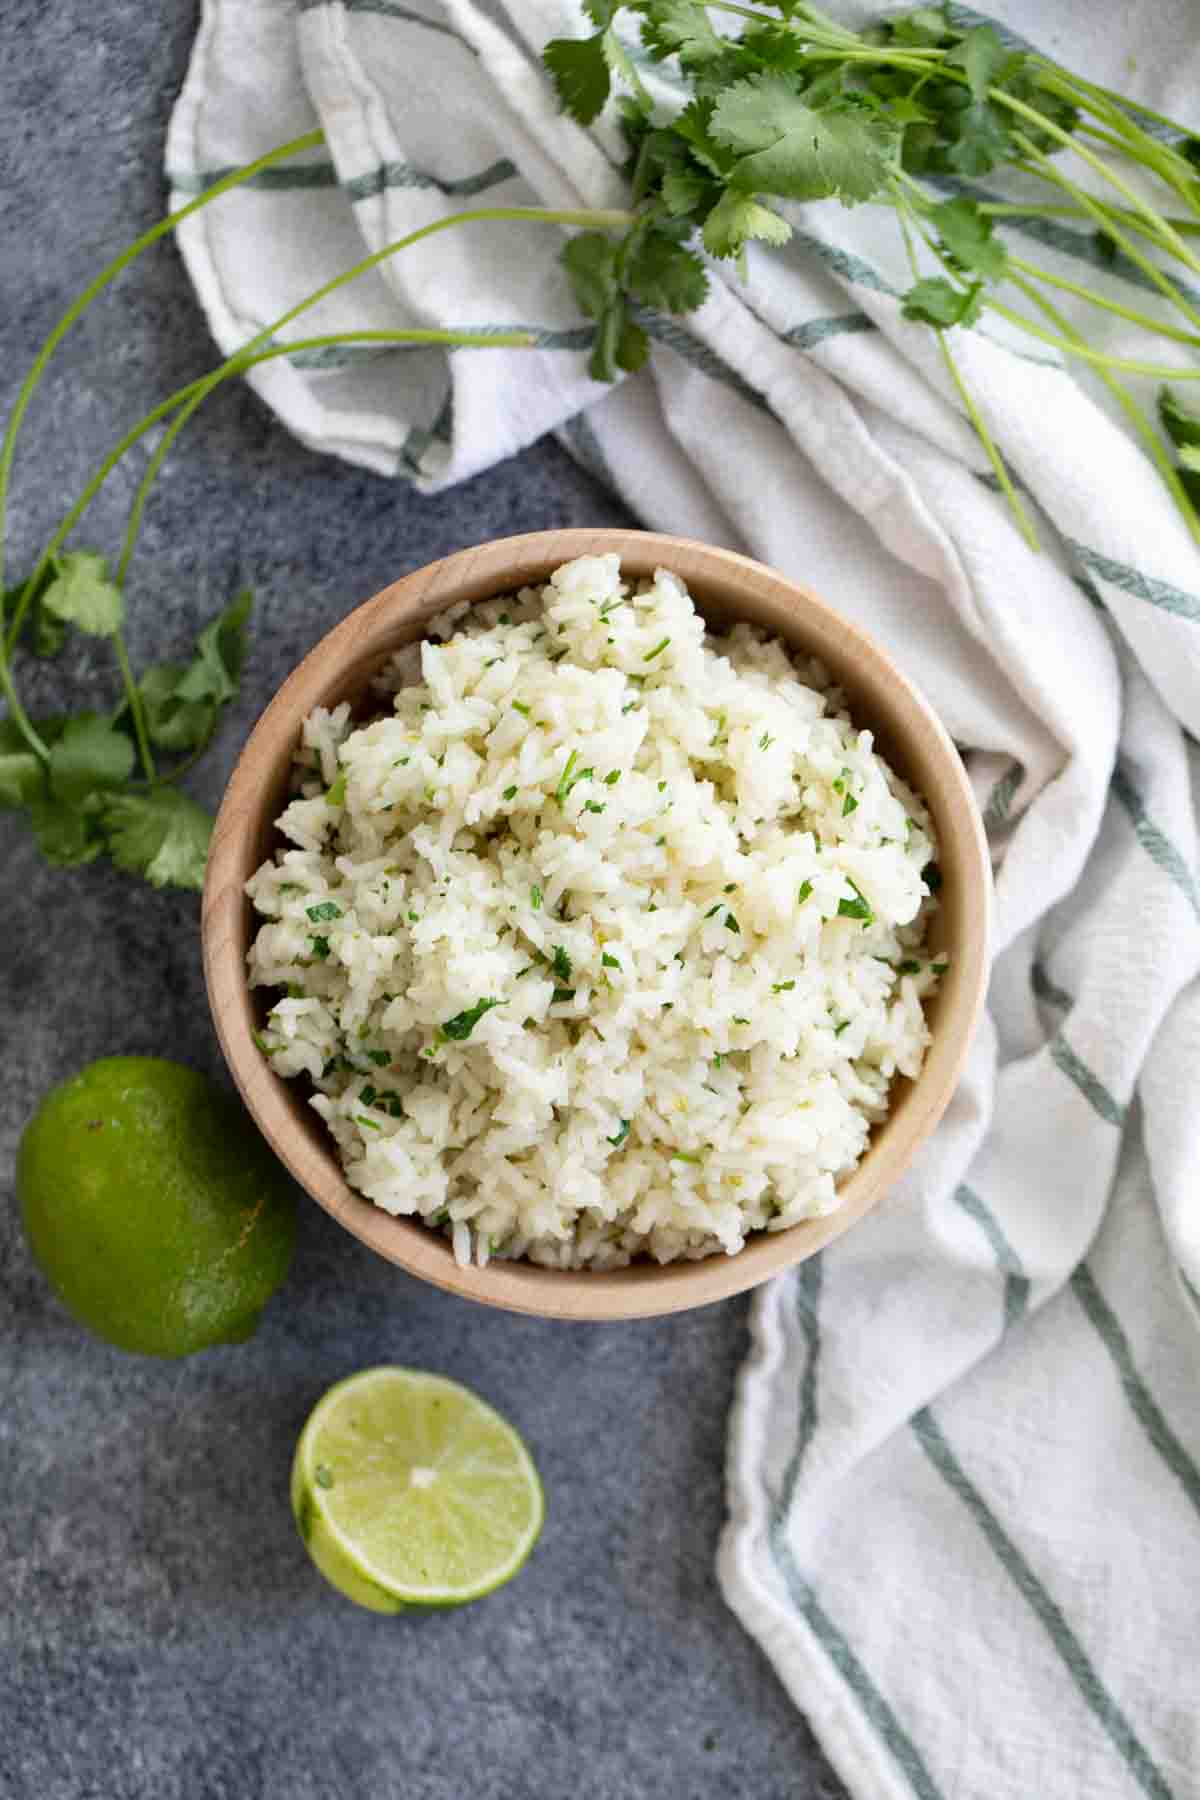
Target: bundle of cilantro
786,104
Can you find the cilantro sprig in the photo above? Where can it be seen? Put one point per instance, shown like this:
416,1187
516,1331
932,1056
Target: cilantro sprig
83,799
73,777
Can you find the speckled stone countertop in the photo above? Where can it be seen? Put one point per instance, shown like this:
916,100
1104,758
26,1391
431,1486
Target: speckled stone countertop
162,1634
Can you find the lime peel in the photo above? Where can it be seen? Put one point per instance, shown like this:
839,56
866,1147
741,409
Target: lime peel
409,1491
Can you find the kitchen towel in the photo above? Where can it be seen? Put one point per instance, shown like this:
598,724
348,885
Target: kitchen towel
964,1457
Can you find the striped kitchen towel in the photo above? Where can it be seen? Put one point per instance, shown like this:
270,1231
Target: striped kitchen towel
964,1468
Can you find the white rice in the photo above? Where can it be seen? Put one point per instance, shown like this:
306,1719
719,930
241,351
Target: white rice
652,851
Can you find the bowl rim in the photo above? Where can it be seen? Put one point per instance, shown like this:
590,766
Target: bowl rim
642,1289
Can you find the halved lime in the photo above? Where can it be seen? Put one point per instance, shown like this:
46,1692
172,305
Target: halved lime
409,1490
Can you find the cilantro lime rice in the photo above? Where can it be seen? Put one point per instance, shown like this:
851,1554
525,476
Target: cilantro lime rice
606,941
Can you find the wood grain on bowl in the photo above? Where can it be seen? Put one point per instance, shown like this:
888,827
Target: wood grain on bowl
725,587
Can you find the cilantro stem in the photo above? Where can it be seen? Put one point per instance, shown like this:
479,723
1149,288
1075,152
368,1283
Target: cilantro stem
1131,138
1102,216
1113,140
181,768
1077,347
599,219
1024,523
236,365
136,709
1106,104
906,214
133,524
1138,419
1169,238
1131,313
309,141
892,59
17,713
1072,346
741,12
1021,209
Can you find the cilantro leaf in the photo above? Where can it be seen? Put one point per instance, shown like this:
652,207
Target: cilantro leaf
968,238
174,724
856,906
89,757
579,70
937,302
21,778
788,148
65,834
571,777
591,263
561,964
181,702
463,1024
620,63
160,834
694,127
735,218
1181,425
683,28
632,347
40,632
982,141
602,12
687,189
81,594
925,26
663,275
46,634
220,652
983,58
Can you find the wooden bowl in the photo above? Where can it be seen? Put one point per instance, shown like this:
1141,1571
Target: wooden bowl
726,587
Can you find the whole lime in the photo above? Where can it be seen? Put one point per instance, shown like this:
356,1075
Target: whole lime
158,1214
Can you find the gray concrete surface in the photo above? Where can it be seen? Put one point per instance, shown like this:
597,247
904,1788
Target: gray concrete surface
161,1632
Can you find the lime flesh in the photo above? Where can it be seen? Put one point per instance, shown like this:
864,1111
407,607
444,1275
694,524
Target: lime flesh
410,1491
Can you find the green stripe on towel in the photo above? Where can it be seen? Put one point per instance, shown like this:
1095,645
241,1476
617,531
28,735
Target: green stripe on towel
1047,990
1121,575
391,175
1016,1282
1154,842
304,177
808,1300
389,9
876,1710
291,178
1045,1609
1089,1085
1146,1409
999,801
819,331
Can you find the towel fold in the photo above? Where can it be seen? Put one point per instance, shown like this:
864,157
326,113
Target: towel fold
964,1462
